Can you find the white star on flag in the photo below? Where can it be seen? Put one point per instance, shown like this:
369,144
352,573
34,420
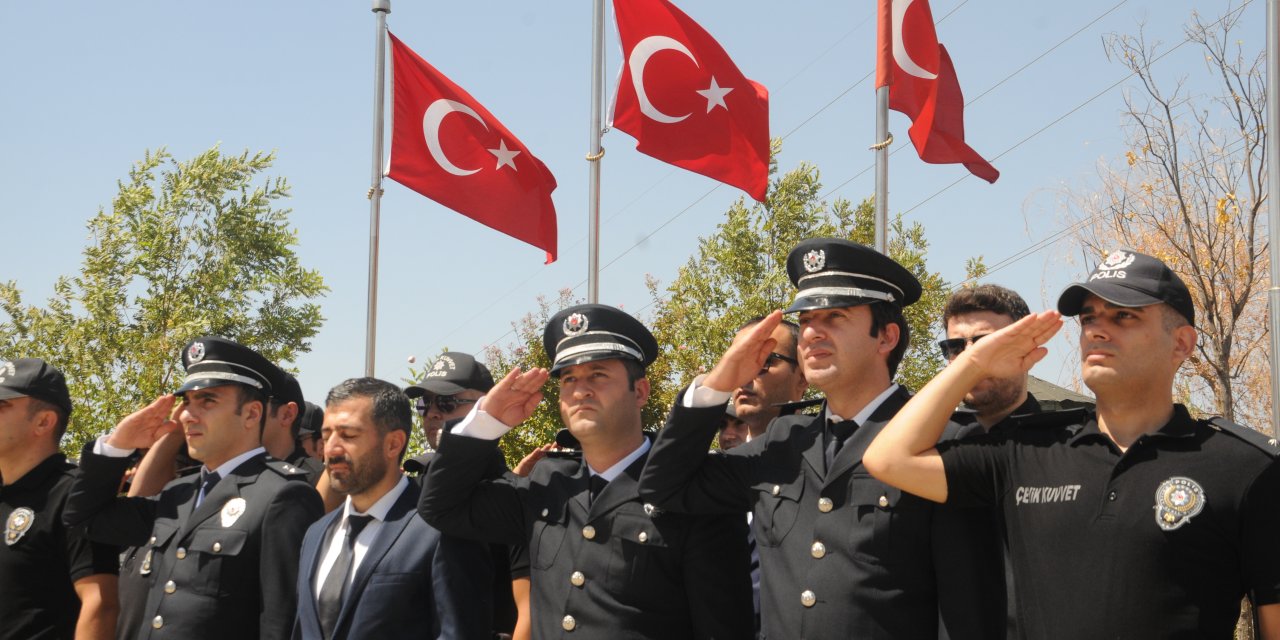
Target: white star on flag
715,95
504,156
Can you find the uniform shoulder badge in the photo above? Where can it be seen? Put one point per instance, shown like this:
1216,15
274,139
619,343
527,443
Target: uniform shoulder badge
232,510
286,469
20,521
1178,499
1254,437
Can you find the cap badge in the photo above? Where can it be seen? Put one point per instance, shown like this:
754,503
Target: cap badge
1178,499
232,510
19,522
7,369
1117,260
195,353
815,260
575,324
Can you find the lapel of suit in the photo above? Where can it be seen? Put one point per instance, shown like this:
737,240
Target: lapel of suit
310,564
398,517
622,489
814,453
850,454
225,490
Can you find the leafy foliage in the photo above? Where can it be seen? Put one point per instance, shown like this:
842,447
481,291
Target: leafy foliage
187,249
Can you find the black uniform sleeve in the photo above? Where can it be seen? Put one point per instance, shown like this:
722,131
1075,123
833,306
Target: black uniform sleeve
462,586
519,558
682,476
290,513
717,577
96,512
1261,530
459,498
977,470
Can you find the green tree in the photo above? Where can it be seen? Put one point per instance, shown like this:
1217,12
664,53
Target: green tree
187,248
740,273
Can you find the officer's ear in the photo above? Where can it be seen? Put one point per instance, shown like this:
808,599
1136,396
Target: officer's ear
287,412
1184,342
890,334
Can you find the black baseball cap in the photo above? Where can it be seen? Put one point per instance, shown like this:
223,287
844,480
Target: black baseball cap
312,420
829,273
1130,279
590,332
453,372
285,388
34,378
214,361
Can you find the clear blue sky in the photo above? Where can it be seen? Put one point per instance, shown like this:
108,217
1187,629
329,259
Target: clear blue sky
91,85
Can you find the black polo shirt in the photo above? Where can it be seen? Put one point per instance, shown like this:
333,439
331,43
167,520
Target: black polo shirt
40,560
1160,541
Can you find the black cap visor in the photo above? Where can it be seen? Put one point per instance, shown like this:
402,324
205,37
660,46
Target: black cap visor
595,346
436,387
1072,299
206,381
811,302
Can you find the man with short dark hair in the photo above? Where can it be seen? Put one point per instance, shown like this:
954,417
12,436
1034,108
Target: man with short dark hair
779,381
605,564
373,569
53,582
284,421
733,432
841,554
1131,521
970,314
223,543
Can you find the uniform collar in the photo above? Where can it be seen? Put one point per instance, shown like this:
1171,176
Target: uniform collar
866,412
1180,425
617,469
225,469
38,474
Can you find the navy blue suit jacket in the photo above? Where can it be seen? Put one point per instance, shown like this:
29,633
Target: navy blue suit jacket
413,582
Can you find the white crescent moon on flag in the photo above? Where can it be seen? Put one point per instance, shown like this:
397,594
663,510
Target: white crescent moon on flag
636,62
431,128
900,54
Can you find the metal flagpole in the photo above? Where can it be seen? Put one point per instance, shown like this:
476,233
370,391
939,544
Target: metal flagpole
380,9
1273,191
596,151
881,147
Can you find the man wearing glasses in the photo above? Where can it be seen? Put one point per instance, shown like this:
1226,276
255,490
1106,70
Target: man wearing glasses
970,314
842,555
778,382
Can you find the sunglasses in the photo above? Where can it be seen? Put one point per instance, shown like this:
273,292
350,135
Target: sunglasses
768,362
446,404
952,347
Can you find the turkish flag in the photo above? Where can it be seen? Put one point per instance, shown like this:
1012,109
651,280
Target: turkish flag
685,102
449,148
922,84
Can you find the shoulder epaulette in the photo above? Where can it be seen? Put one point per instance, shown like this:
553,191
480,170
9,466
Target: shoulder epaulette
1062,417
286,469
1252,436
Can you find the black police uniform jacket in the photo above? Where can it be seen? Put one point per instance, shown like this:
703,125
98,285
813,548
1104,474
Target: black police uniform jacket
225,569
842,555
612,567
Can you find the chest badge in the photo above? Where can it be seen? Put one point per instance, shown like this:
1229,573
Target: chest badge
1178,499
232,510
19,523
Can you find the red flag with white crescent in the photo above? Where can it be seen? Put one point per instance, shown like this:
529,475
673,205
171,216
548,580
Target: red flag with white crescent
446,146
923,85
684,100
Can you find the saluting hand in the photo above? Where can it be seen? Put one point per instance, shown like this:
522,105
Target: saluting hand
1013,350
142,428
515,397
744,358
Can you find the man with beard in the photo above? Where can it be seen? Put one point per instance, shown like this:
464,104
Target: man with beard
605,563
372,568
970,314
223,544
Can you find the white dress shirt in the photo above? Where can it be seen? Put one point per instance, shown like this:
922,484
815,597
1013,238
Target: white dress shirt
336,541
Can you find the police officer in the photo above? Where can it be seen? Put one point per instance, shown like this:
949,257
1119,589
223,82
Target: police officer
842,555
970,314
1131,521
223,543
309,431
605,564
53,583
284,423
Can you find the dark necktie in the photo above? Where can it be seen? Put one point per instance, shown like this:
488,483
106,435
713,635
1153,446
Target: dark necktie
596,485
840,431
329,604
208,480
